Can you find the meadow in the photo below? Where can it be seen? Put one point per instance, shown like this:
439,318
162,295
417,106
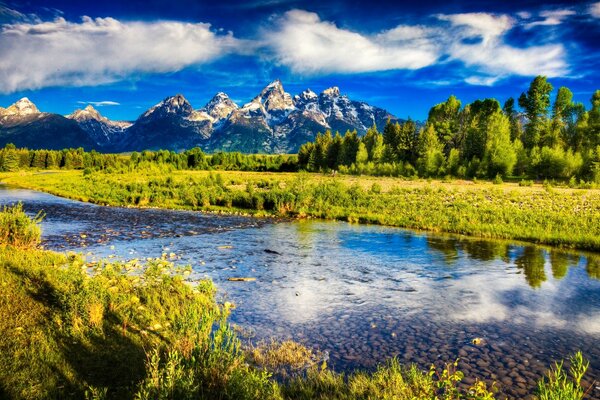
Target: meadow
559,216
74,329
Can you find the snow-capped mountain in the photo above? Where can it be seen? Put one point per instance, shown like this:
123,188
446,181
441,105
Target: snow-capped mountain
25,126
101,130
172,124
272,122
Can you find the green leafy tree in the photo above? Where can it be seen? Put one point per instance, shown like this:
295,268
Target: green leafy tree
370,139
430,151
500,154
445,120
362,155
592,134
10,161
535,102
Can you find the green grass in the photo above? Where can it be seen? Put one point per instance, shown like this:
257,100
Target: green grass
555,216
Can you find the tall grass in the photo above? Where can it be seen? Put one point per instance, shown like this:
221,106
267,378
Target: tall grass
17,229
561,385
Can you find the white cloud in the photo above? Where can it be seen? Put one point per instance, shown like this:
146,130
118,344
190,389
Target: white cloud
482,80
100,103
101,50
551,18
488,26
307,44
492,56
595,10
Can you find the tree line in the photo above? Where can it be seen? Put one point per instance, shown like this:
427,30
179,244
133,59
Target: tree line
13,159
543,139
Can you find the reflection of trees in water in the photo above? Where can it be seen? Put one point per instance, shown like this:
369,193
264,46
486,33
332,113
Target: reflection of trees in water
447,246
532,261
559,262
482,250
593,267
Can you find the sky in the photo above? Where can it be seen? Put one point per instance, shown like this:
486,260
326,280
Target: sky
125,56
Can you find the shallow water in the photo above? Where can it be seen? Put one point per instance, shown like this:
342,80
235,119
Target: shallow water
364,293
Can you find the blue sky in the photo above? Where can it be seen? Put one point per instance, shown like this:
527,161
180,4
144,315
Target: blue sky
403,56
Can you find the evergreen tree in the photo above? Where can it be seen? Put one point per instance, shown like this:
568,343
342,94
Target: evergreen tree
391,133
513,116
407,141
350,147
334,152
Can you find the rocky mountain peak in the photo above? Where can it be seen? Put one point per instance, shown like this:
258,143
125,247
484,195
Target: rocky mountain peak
220,106
273,97
177,105
89,112
22,107
307,95
332,92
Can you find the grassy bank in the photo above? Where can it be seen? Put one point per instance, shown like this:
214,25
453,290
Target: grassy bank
540,214
76,330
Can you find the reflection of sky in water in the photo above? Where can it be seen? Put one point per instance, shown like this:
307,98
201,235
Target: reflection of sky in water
349,276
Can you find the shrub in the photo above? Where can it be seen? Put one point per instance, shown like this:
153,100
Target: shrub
18,229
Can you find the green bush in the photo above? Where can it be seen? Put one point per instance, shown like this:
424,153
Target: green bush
17,229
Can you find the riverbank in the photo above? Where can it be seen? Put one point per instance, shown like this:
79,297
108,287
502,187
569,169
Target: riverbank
561,217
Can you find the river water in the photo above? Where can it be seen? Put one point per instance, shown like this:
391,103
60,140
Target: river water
364,293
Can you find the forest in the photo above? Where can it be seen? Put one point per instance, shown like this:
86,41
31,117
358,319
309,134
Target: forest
558,140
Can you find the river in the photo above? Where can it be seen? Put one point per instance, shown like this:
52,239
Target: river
363,293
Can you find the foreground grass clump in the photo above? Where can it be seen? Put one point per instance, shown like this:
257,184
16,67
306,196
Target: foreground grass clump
561,217
68,327
17,229
559,386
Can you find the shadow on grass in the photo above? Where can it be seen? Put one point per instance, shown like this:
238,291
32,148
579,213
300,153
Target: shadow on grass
110,357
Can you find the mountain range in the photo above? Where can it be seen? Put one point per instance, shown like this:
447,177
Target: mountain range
272,122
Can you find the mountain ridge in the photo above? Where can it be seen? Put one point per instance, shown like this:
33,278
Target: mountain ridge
274,121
